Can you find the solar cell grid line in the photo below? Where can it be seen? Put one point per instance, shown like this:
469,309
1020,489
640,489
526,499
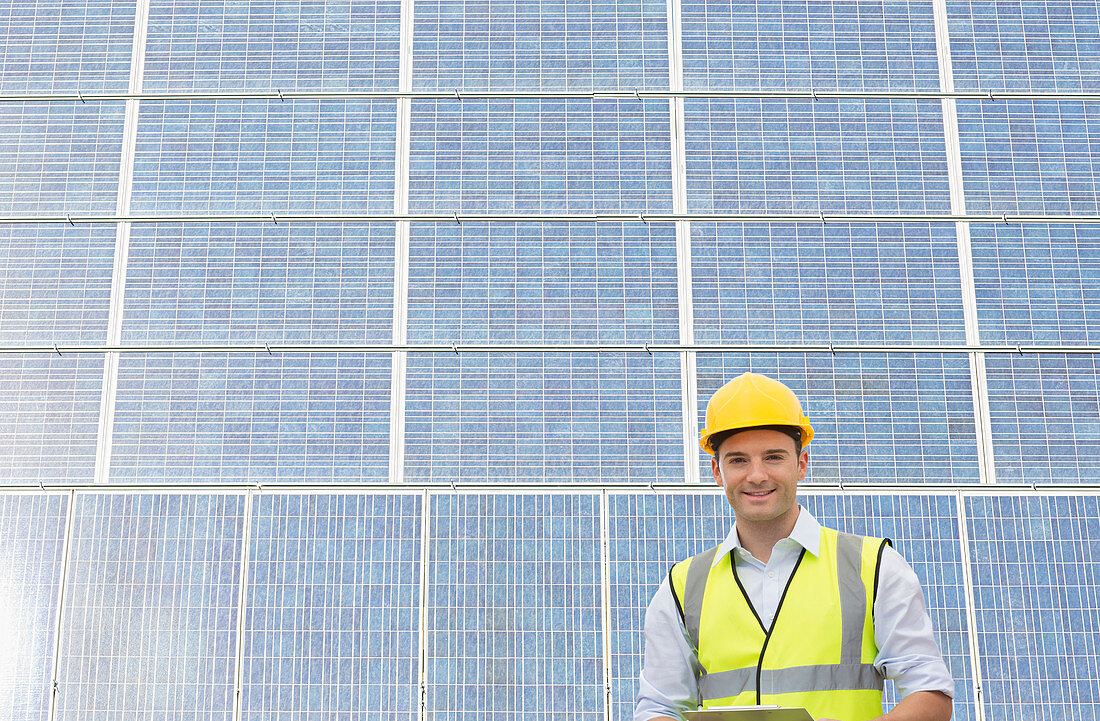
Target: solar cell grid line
62,46
1044,416
586,44
59,159
291,44
806,44
543,418
50,406
54,284
1035,566
1030,157
1038,283
878,418
32,540
514,607
649,532
925,531
1048,45
242,600
798,156
230,417
971,607
540,156
149,623
332,618
260,283
270,156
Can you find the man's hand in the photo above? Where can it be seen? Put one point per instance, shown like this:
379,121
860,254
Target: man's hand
918,706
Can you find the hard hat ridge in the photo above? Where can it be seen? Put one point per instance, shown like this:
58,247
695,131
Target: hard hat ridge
752,400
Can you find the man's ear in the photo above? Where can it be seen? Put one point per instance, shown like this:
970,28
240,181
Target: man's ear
803,463
716,471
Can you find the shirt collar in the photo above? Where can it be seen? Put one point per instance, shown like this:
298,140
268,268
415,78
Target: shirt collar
806,533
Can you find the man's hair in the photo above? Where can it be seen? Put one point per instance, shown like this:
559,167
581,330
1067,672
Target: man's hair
793,431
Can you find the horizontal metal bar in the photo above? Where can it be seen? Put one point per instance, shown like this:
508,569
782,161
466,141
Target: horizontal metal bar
808,488
460,348
459,218
457,94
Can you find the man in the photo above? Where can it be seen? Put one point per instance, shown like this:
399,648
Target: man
784,611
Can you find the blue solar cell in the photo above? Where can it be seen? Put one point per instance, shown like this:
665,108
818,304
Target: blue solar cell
879,418
1030,157
249,283
1037,283
1020,46
51,411
540,156
575,45
261,157
925,531
234,417
275,44
514,619
833,283
32,535
149,628
332,610
59,158
1045,415
1036,570
802,44
806,156
547,283
648,533
543,417
55,283
66,45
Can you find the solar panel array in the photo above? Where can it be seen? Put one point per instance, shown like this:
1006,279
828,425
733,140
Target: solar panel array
477,532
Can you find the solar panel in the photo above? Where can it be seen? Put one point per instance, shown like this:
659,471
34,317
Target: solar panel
288,45
65,46
821,284
55,283
1044,412
51,409
331,620
800,156
260,283
258,157
32,534
59,159
540,156
1037,588
878,418
543,418
1029,157
149,626
802,45
513,607
216,417
578,45
1047,45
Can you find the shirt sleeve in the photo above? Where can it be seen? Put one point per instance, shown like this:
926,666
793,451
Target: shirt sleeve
667,685
908,653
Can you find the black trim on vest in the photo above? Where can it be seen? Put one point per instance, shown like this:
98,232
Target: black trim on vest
767,637
675,598
733,567
878,567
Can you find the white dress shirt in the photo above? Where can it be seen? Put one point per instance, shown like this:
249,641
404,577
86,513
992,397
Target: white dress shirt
907,654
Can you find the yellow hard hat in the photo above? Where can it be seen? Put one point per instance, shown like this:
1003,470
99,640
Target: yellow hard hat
751,400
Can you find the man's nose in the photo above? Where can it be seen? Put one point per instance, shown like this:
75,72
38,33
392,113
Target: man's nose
756,471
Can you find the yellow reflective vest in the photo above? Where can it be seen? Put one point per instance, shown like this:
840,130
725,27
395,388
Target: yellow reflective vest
820,649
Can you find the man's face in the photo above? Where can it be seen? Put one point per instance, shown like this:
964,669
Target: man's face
760,470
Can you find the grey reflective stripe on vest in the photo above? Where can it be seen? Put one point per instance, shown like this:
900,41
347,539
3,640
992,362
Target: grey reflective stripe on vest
797,679
694,586
853,597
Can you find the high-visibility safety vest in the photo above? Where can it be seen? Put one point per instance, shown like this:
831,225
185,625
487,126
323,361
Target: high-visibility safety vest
820,648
